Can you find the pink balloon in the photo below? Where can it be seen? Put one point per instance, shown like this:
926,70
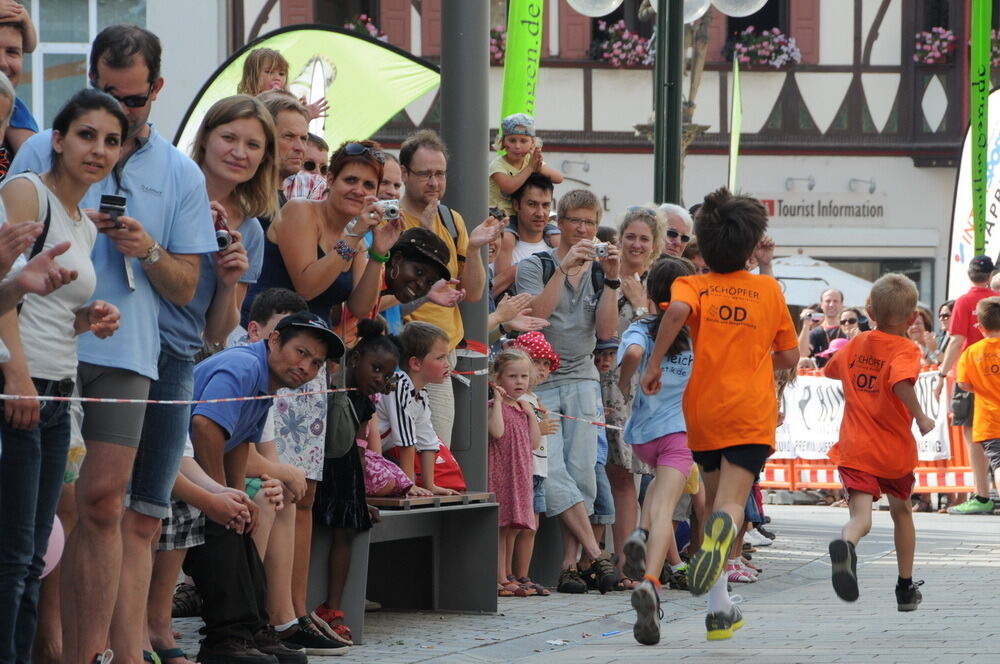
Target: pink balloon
57,538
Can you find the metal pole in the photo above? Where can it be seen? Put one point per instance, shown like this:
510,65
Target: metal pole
668,98
675,81
465,28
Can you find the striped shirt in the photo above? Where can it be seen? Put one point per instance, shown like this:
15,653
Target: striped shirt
404,418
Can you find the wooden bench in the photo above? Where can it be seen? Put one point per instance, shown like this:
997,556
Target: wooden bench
436,553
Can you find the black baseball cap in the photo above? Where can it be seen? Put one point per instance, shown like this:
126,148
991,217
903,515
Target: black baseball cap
422,244
307,320
981,264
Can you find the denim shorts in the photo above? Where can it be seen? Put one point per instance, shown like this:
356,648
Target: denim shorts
538,484
164,432
604,503
573,448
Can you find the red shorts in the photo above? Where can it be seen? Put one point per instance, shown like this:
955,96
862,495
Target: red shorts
859,480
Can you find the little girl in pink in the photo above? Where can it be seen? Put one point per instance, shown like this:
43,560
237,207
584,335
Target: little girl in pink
513,434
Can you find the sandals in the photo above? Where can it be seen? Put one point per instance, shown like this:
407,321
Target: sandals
527,587
503,592
540,590
171,653
515,590
323,618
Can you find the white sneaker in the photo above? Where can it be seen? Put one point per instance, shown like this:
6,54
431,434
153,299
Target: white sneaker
743,566
756,539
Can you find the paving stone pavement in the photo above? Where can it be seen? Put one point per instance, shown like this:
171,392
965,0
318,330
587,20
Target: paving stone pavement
792,614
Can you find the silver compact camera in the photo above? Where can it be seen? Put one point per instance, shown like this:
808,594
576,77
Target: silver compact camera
600,249
389,209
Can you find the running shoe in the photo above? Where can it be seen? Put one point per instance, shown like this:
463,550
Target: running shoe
909,597
646,602
678,579
972,506
737,574
754,538
722,624
844,563
634,548
710,560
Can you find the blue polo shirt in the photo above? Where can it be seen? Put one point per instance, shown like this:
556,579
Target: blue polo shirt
22,117
165,191
181,327
240,371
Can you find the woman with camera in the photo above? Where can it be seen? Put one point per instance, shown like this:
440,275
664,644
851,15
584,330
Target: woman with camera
41,337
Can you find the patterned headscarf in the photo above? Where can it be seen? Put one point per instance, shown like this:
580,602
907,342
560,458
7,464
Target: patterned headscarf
509,125
537,347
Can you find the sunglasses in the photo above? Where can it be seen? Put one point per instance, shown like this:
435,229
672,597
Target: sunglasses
639,208
311,166
131,101
849,321
357,149
673,235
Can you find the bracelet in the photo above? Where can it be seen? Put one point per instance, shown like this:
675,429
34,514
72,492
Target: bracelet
345,251
379,258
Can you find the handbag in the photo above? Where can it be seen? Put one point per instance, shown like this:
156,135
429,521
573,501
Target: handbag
342,422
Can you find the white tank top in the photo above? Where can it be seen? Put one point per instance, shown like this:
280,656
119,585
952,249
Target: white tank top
47,324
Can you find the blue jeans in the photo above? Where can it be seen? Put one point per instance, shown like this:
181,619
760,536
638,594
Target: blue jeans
32,466
604,502
573,448
164,432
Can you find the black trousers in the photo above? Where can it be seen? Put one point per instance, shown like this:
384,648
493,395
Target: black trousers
230,578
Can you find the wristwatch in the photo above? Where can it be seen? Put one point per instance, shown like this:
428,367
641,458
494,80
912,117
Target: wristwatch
943,374
641,311
612,283
152,254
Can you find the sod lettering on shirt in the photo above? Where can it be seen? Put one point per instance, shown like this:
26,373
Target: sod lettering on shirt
737,305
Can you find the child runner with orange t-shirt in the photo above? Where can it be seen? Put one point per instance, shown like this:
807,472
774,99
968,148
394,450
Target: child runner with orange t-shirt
876,452
742,332
979,372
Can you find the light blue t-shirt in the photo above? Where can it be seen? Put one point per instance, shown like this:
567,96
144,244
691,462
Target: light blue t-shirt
181,328
165,191
662,413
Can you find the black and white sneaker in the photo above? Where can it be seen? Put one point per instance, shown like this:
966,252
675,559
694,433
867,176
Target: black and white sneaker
844,564
634,549
305,636
909,597
646,602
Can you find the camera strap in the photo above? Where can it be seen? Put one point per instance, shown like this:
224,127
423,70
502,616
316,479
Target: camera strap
43,199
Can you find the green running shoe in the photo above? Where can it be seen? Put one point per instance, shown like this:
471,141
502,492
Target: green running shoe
708,562
972,506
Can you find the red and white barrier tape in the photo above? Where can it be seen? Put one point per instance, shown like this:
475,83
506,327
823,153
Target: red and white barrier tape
189,402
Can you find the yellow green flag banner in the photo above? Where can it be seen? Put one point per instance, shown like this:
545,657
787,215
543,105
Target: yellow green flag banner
979,89
366,81
735,126
524,49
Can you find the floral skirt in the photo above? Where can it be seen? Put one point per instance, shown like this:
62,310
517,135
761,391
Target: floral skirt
300,426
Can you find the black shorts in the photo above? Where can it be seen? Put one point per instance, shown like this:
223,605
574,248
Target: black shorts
750,457
991,448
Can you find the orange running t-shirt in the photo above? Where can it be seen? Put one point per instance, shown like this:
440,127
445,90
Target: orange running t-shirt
876,434
980,367
736,320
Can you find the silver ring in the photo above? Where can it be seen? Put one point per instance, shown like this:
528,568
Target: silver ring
372,215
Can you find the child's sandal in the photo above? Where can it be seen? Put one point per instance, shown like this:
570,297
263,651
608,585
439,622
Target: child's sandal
540,590
526,587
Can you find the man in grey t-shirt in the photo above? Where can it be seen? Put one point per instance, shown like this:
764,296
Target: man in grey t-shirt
577,315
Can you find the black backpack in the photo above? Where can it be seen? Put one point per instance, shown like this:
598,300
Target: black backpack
549,268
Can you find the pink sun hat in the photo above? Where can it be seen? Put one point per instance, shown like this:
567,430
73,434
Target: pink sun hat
835,345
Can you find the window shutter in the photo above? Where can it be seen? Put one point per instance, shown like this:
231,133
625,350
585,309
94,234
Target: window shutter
297,11
430,28
803,24
394,19
716,36
574,33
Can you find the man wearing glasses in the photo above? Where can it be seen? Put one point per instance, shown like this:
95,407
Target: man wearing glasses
580,309
423,160
149,256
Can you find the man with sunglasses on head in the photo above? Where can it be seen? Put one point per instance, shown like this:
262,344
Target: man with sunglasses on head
148,256
423,160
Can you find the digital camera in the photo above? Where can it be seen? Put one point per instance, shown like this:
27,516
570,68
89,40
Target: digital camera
389,209
498,214
222,235
600,249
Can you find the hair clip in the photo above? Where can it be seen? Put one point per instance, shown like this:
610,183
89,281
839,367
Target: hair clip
663,306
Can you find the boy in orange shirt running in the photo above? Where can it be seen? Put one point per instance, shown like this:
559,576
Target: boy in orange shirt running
979,372
876,452
742,332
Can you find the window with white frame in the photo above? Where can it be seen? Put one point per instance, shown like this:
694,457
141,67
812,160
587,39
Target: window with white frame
66,28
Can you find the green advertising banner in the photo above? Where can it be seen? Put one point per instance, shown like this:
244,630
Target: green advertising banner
735,126
366,81
979,90
524,49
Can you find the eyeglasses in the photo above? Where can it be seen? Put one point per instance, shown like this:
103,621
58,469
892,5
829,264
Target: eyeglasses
132,101
357,149
577,221
427,175
673,235
944,316
849,321
311,166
